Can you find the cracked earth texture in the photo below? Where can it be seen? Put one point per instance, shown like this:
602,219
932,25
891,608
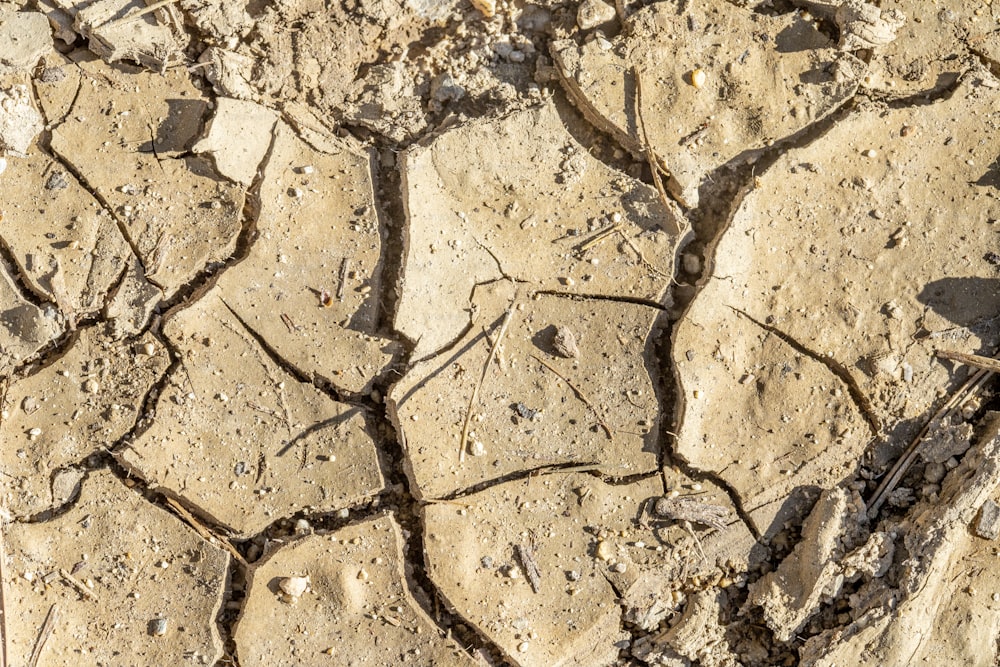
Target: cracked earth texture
534,334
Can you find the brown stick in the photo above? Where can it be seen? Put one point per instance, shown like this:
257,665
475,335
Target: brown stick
475,392
78,585
43,635
202,530
579,394
974,360
3,580
889,482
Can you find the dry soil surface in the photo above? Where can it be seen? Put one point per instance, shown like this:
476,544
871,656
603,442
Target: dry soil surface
535,334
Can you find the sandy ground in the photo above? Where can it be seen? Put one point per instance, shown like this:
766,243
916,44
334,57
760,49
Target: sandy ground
541,334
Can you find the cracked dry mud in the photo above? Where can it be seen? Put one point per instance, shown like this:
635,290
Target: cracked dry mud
506,333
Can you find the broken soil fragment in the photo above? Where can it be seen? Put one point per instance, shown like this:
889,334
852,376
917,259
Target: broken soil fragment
318,231
519,197
20,122
24,38
765,78
599,409
238,137
175,210
587,548
948,578
24,327
836,350
82,403
242,440
819,566
356,576
115,567
67,247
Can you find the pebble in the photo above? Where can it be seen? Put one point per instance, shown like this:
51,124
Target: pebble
148,349
293,587
869,153
477,448
158,627
523,647
698,78
619,567
605,550
91,386
593,13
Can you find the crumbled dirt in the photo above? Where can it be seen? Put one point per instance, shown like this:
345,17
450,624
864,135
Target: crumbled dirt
552,333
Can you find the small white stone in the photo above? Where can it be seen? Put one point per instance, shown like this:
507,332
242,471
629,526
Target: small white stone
869,153
35,432
593,13
293,587
3,165
91,386
477,448
698,78
149,349
523,647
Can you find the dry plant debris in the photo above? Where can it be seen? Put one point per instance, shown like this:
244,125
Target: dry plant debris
538,333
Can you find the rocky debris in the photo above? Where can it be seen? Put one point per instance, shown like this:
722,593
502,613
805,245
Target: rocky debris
81,404
932,49
584,544
238,137
458,416
519,197
923,616
313,68
945,440
128,30
130,308
688,84
594,14
67,247
311,284
136,585
355,575
822,562
387,101
699,635
24,38
20,122
231,74
988,522
222,22
177,213
24,327
843,206
866,26
245,442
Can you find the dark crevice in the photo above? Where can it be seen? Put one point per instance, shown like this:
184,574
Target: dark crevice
209,276
9,263
302,376
861,400
578,296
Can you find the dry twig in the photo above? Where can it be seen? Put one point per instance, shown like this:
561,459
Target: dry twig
971,386
482,378
203,530
3,578
579,394
80,587
43,635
